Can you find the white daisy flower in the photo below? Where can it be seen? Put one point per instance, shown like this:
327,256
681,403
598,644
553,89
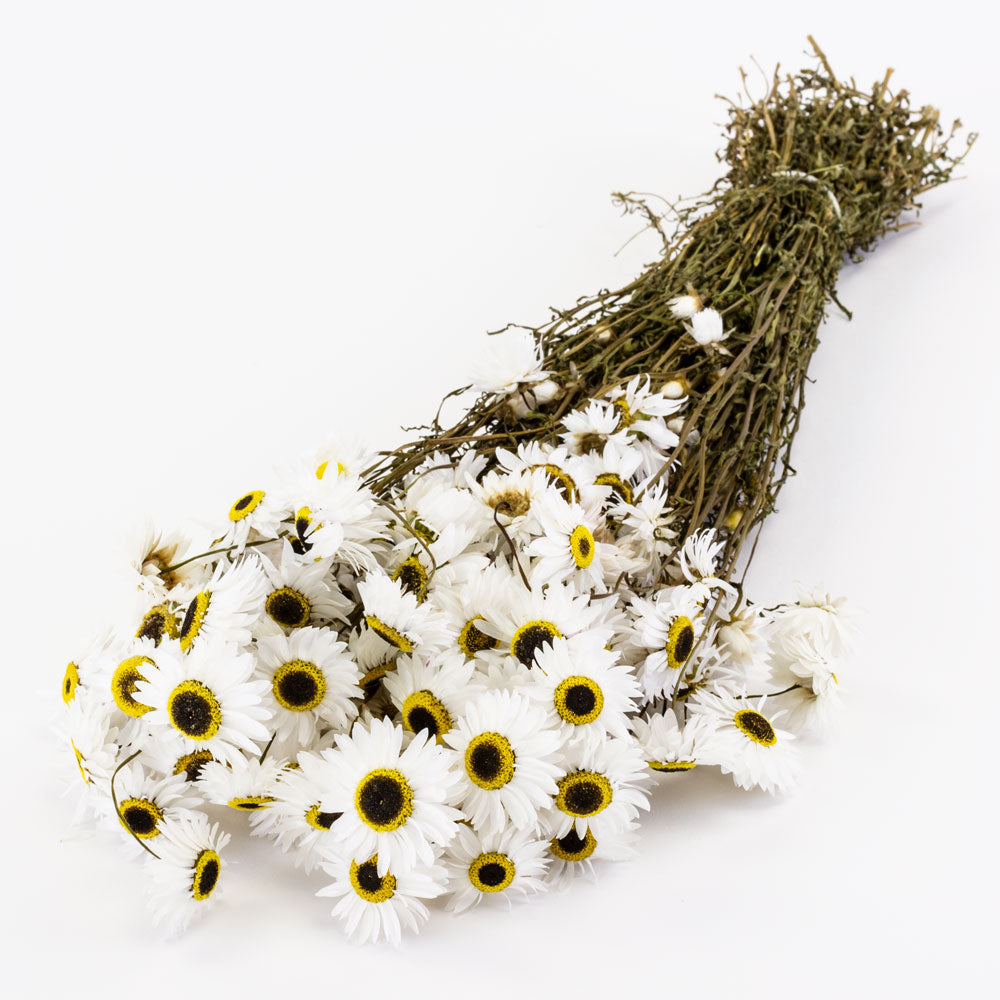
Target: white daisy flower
602,789
572,856
705,326
645,533
228,606
337,518
641,411
512,499
87,726
481,597
586,693
145,802
508,865
507,361
397,618
88,670
613,469
431,694
669,747
168,757
311,683
569,549
535,617
342,454
256,516
562,469
155,557
818,617
745,742
246,785
590,428
393,799
669,626
803,664
297,819
376,903
298,594
183,881
206,700
509,760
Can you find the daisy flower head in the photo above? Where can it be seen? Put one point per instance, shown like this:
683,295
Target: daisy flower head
183,881
705,327
568,548
506,866
431,694
644,412
817,616
699,557
311,682
510,360
227,607
613,469
511,498
803,667
205,700
246,785
155,558
483,597
668,625
376,903
297,819
145,802
602,789
83,672
537,616
336,517
170,758
509,760
398,618
87,726
562,469
298,594
669,747
256,515
590,428
586,693
745,742
393,798
572,856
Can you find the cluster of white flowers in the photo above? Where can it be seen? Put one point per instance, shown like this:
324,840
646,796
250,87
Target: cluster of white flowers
463,689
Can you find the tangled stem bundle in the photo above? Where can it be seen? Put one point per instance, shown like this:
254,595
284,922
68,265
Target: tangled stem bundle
819,170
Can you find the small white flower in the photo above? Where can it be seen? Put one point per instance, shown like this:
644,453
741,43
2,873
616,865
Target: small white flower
497,866
507,759
706,327
508,360
375,903
183,881
745,741
204,700
393,799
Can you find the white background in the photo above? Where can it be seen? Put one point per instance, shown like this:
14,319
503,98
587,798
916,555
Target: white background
229,228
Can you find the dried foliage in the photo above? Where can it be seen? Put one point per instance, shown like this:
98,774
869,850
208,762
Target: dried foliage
819,170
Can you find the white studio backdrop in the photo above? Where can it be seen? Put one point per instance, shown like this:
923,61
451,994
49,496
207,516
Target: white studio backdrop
228,228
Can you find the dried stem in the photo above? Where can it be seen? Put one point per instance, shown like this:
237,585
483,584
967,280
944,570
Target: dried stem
819,171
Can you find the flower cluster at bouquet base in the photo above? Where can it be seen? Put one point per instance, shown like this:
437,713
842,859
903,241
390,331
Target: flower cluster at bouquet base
463,689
